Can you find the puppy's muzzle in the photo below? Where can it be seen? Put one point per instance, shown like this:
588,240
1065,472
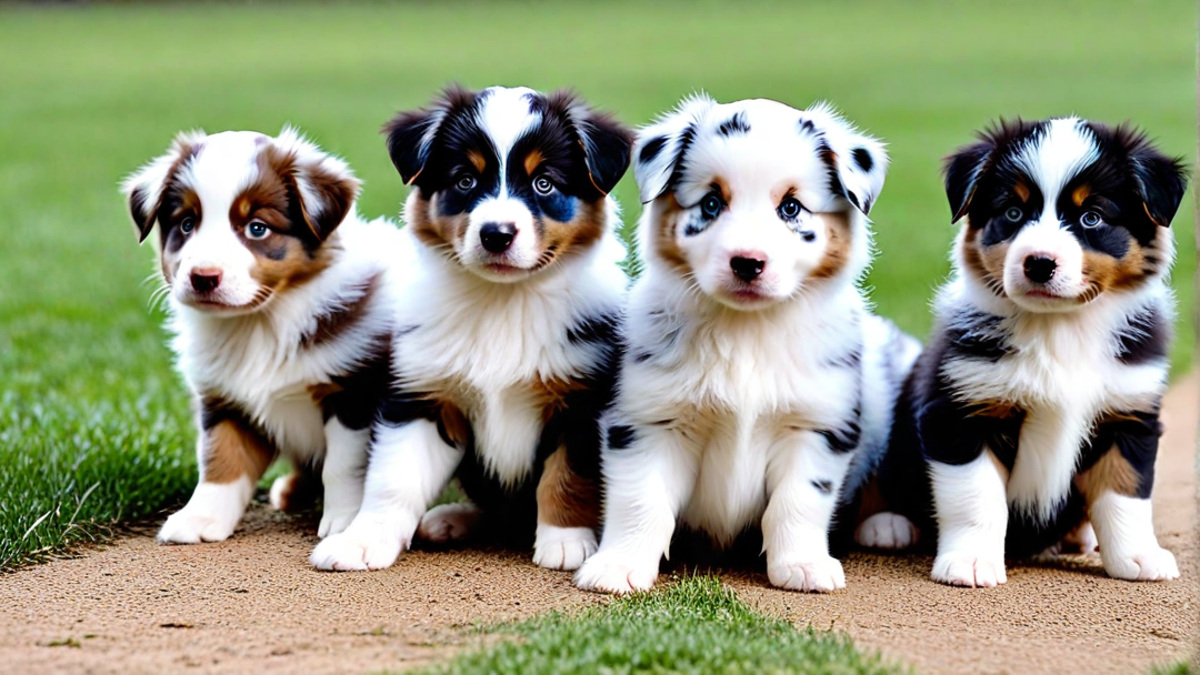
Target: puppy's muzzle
497,237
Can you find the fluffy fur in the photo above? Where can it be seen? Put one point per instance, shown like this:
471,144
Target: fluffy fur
756,386
505,343
278,296
1036,405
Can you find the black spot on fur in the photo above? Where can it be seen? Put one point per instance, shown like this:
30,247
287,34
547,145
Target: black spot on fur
686,138
974,334
620,436
845,437
823,486
862,157
829,158
1146,339
806,127
734,125
651,149
602,329
362,390
216,409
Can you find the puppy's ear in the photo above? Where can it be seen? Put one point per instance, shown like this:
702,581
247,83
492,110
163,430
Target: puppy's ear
962,172
1161,182
857,163
660,153
606,147
410,135
325,186
144,188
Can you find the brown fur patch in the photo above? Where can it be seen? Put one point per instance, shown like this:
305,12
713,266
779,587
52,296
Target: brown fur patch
563,240
667,224
1021,190
564,498
437,232
532,160
994,409
342,317
300,490
1112,472
454,423
1081,193
319,392
477,160
552,394
984,263
1104,273
232,450
837,251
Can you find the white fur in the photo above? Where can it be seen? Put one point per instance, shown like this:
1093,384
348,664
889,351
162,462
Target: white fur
210,515
1128,548
255,359
887,531
972,516
342,475
563,548
725,395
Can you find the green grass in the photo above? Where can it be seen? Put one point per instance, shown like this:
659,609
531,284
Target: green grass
1178,668
87,397
693,625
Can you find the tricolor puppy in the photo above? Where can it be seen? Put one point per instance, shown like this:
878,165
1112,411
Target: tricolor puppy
278,297
755,386
1035,407
505,342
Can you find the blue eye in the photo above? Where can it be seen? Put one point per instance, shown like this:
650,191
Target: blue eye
712,205
1090,219
789,209
187,225
1014,214
257,230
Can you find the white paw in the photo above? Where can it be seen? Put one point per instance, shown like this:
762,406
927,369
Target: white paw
820,576
611,572
210,515
1156,564
335,521
886,530
563,548
965,569
281,489
362,546
448,522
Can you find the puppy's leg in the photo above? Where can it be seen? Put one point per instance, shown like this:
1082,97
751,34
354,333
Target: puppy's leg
345,464
971,503
447,523
409,466
233,456
649,475
1117,488
886,531
803,482
568,514
295,491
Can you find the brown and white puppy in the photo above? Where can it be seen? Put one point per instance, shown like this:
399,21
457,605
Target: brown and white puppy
1035,407
278,297
505,341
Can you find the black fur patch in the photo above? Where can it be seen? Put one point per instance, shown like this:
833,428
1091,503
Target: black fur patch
734,125
686,138
620,436
974,334
862,157
601,329
1135,435
847,436
651,149
1146,339
823,486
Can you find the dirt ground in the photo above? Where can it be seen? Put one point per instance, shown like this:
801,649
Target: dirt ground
252,604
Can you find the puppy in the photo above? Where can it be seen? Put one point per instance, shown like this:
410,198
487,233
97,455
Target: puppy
1036,404
278,297
754,376
504,346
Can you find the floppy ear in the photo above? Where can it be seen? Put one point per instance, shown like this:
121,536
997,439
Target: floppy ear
325,185
606,147
410,134
659,153
857,163
962,172
1161,182
144,188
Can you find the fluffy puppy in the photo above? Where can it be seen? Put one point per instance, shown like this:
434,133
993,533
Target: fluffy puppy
504,347
754,376
1036,405
278,301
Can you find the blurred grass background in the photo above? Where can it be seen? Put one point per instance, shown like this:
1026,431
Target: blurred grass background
94,426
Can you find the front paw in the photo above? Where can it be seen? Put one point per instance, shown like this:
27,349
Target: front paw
822,575
335,521
1152,564
611,572
966,569
887,531
192,526
448,523
359,547
563,548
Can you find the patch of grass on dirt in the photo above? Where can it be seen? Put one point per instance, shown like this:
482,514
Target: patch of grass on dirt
1180,668
693,625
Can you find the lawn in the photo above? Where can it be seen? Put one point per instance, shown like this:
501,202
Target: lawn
94,426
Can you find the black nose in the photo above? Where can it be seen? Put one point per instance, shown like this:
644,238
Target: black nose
1040,270
205,280
497,237
747,269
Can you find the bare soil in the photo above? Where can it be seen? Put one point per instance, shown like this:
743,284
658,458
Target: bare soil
252,604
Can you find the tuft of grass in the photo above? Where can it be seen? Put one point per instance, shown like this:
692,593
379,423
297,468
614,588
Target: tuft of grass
693,625
1178,668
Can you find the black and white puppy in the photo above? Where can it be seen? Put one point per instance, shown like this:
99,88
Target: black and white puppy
279,304
1035,407
505,345
754,375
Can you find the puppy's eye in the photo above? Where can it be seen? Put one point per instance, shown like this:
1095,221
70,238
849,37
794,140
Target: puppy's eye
789,209
187,225
466,182
543,185
1014,214
257,230
712,205
1090,219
